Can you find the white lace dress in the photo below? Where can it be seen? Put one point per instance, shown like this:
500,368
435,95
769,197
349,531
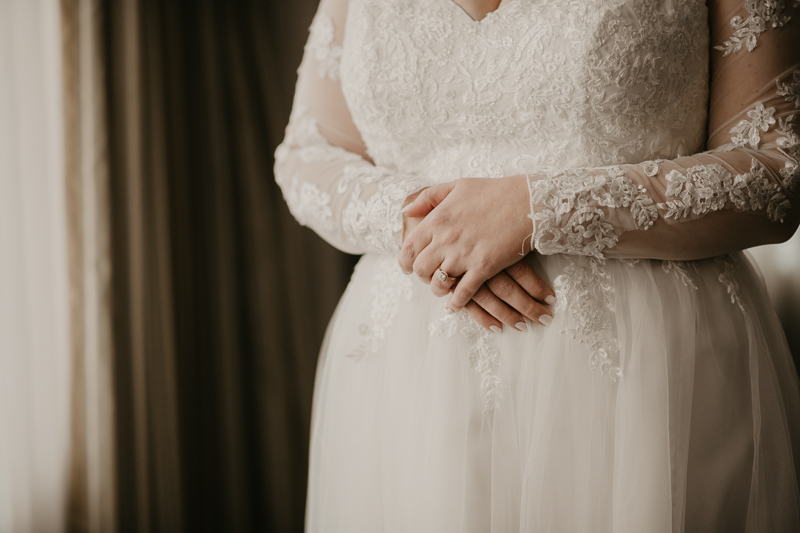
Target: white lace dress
663,397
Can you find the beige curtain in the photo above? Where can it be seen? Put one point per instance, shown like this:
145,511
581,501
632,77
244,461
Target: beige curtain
34,313
202,303
92,470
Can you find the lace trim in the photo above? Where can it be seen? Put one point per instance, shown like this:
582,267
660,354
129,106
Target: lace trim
791,89
706,188
377,219
482,356
320,46
761,13
681,271
789,145
730,267
389,286
747,132
374,219
788,141
572,220
586,290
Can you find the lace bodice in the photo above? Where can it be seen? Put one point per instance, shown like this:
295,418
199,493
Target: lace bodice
556,84
602,103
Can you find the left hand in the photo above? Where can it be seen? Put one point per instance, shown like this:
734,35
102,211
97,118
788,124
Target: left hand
473,227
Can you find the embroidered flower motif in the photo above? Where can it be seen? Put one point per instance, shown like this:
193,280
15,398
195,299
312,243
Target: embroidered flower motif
571,219
747,132
791,89
482,356
586,290
371,217
389,287
681,270
651,168
707,188
321,46
746,31
730,268
789,145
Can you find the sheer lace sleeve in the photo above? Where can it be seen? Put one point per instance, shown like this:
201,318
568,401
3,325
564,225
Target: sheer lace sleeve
740,193
322,166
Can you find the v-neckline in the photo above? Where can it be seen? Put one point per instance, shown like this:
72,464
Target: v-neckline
503,4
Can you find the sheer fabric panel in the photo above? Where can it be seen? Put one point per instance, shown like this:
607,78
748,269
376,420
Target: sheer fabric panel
34,314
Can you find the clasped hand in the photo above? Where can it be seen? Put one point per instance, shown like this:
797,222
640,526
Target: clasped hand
476,230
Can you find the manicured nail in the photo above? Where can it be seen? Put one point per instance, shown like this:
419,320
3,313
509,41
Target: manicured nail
522,326
448,311
546,320
495,329
406,208
550,300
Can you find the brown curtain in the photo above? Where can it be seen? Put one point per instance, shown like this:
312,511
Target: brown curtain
218,299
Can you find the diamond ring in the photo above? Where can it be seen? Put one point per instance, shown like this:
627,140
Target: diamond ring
443,276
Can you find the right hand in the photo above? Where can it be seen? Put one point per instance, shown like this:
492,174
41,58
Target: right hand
509,297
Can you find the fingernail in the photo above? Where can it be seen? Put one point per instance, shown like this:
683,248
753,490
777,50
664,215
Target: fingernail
546,320
448,311
495,329
406,208
550,300
522,326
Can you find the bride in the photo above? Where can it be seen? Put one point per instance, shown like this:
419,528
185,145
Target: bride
553,326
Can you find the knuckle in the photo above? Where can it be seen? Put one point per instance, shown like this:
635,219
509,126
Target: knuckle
506,315
503,288
451,236
481,295
530,309
516,270
461,293
540,288
407,250
483,269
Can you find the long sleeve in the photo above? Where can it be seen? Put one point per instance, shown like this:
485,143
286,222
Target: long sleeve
322,166
740,193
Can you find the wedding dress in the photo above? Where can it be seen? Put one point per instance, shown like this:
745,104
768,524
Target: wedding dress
663,396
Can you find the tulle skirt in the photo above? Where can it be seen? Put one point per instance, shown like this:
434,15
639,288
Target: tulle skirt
662,398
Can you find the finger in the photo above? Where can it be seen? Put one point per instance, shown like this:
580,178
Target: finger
439,286
466,288
483,318
499,309
507,290
527,278
428,200
415,242
427,261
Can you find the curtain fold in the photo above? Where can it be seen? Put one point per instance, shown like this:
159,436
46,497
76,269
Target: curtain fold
219,299
92,467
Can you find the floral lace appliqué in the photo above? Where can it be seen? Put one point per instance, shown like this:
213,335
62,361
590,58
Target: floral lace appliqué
482,356
321,46
706,188
390,285
730,268
791,89
789,145
748,132
681,270
370,217
572,219
586,290
761,13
